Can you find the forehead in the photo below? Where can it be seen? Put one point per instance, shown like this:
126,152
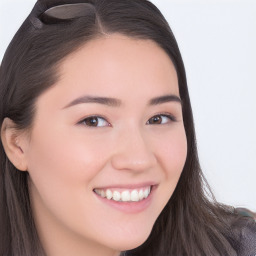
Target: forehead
117,57
117,66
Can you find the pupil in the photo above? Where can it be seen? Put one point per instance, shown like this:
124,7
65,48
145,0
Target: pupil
157,119
92,121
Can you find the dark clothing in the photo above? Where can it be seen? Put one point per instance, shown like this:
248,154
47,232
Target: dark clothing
245,236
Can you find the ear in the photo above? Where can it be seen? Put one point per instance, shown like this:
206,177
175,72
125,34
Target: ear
14,143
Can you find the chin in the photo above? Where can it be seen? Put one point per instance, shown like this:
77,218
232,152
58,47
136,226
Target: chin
131,241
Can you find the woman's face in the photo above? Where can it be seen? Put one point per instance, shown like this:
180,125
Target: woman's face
107,147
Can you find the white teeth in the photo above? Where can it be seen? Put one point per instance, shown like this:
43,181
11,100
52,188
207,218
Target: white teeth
124,196
141,194
135,196
108,194
102,193
97,191
116,195
146,192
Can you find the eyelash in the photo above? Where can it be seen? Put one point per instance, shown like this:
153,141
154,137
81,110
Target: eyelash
96,119
168,116
91,118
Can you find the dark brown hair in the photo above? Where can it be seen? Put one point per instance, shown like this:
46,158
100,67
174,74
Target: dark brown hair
192,223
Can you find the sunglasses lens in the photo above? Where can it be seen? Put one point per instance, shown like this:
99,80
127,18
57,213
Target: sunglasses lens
66,12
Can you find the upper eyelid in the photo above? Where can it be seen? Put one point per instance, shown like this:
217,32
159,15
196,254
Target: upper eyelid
91,116
81,122
172,117
167,114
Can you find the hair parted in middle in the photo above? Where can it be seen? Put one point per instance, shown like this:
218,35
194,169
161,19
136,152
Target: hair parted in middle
31,66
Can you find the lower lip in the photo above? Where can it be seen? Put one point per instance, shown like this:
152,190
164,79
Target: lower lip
129,207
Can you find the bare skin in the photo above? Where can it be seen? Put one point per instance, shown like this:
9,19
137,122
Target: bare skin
76,146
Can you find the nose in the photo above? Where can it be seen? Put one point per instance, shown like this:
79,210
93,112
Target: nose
133,152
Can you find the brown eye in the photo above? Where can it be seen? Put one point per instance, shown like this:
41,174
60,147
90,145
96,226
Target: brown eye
155,120
161,119
95,121
91,121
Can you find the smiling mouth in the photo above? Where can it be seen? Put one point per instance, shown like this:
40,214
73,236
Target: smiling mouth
124,195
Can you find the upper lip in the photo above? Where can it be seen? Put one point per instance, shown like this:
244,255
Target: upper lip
128,186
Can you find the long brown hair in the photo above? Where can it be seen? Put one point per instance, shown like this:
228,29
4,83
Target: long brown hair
192,223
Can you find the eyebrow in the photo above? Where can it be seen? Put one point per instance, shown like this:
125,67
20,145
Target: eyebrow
94,99
164,99
112,102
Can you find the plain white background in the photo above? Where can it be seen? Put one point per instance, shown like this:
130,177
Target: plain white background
217,39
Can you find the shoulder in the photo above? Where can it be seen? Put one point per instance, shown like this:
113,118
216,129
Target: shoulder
244,236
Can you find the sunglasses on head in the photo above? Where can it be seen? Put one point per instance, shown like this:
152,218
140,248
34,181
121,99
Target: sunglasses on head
65,12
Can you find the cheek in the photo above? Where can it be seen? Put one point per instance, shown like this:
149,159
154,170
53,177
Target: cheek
173,153
63,166
172,156
64,156
61,170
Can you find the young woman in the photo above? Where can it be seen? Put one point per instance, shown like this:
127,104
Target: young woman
98,153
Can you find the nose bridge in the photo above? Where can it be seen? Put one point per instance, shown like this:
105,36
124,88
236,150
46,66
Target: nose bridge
133,151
